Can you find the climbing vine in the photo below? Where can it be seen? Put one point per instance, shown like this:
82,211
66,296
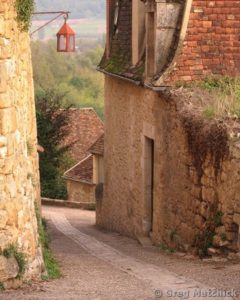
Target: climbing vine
25,9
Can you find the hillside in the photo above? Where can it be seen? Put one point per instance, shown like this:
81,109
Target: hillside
73,76
79,9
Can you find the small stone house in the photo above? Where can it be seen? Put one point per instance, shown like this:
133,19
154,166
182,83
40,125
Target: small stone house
169,174
85,129
80,184
84,176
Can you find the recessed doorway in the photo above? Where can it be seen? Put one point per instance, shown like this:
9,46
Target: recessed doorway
148,185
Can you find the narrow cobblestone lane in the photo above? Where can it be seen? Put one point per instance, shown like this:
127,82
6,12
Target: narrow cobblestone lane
102,265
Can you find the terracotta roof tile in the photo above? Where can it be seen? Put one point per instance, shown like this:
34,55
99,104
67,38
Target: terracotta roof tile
83,171
84,127
98,146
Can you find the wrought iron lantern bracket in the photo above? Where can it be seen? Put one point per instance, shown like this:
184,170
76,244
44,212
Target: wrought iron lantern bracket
58,13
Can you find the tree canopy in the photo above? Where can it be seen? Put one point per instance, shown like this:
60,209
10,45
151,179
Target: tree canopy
51,121
73,75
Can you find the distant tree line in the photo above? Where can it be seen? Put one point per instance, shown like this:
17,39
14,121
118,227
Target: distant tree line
79,8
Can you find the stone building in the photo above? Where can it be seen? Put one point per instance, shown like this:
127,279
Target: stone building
85,175
19,179
170,175
80,185
84,130
97,151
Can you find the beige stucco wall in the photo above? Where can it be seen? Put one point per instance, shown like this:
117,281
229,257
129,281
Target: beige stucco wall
183,202
19,179
98,169
80,192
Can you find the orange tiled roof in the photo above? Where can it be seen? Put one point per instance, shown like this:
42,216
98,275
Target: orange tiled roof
84,127
83,171
98,146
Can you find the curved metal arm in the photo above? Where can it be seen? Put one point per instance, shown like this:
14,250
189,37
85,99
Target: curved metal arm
60,13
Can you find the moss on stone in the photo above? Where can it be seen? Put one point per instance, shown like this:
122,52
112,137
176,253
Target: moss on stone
53,270
25,9
12,251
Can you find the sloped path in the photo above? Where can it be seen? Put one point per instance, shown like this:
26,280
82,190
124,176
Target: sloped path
101,265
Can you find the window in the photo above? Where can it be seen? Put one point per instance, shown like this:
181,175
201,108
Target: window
71,43
150,53
116,16
62,43
138,31
148,185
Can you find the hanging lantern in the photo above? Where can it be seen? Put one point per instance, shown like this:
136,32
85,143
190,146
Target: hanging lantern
66,38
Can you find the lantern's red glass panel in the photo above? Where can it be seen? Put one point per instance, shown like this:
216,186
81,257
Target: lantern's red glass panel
66,39
62,46
71,44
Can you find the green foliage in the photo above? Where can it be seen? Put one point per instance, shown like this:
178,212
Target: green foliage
43,236
21,260
205,242
42,229
25,9
29,148
205,239
2,288
225,92
51,124
223,236
217,219
225,84
51,265
166,249
53,271
20,257
73,75
209,112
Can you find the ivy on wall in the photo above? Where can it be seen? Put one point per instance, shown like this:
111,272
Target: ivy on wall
25,9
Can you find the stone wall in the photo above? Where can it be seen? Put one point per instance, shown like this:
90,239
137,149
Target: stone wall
190,205
80,192
211,45
19,180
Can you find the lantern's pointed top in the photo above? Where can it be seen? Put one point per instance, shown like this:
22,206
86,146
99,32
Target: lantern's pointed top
65,29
